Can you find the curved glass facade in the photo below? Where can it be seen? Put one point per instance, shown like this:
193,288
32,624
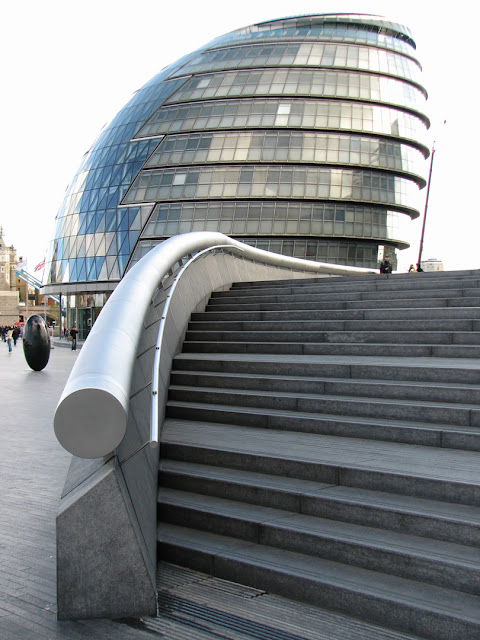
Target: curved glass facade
300,82
291,147
307,55
291,114
305,136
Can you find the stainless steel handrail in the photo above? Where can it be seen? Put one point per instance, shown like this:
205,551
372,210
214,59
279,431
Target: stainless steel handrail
91,416
154,432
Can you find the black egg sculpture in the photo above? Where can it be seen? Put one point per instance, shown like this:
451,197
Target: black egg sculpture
36,343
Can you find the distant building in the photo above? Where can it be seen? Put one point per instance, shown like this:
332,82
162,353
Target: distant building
9,301
432,264
304,136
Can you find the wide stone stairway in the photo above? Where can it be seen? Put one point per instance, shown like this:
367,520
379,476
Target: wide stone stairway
322,443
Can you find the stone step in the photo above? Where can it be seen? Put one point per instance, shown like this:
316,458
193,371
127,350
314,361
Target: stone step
387,429
322,304
432,519
471,314
402,369
427,472
373,281
347,290
402,409
330,291
436,562
436,613
415,302
295,297
395,279
208,324
332,348
283,334
379,280
394,389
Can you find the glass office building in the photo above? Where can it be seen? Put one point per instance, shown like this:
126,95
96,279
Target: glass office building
305,136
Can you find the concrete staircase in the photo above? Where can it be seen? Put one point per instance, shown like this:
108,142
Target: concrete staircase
322,443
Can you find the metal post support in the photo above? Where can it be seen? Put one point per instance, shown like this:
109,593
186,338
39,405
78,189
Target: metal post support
60,323
426,207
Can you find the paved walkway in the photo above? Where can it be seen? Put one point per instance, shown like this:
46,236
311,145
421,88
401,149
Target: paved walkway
33,467
192,606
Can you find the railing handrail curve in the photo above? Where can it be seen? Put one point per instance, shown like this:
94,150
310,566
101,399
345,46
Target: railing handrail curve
154,433
91,416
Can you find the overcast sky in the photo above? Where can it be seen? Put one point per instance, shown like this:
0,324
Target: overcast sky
68,68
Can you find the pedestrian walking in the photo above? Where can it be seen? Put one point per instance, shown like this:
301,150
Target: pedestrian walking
9,338
73,335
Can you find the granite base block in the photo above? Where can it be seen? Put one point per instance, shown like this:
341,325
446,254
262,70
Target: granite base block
101,566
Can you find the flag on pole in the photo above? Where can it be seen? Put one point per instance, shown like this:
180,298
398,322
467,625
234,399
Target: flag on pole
22,265
40,265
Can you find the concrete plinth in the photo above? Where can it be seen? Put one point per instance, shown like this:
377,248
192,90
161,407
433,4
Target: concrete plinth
101,568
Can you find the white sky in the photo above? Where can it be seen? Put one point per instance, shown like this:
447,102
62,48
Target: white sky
68,68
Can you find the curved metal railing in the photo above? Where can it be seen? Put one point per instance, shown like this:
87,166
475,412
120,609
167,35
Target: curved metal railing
91,417
154,432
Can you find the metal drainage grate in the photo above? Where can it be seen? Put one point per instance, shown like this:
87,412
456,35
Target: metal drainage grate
193,614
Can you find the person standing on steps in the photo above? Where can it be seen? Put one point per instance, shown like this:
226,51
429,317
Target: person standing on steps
386,266
73,334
